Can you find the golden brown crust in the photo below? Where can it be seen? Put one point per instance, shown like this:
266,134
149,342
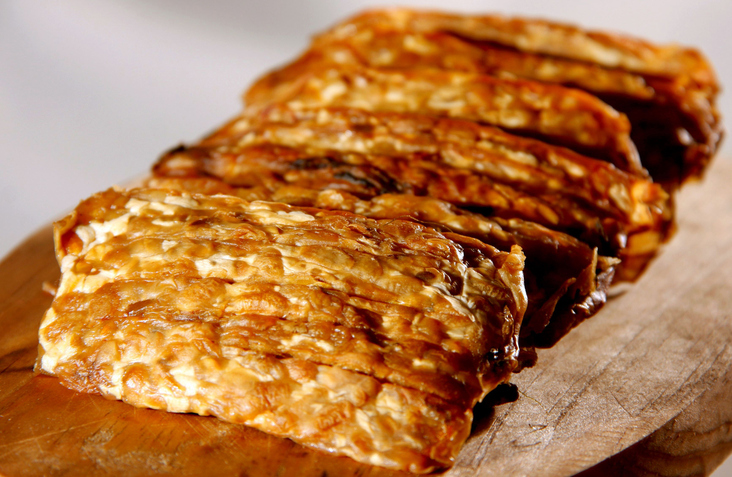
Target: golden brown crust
369,338
553,113
398,49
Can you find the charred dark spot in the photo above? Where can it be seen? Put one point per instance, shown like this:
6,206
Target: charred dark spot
361,181
313,163
363,128
203,222
456,283
483,44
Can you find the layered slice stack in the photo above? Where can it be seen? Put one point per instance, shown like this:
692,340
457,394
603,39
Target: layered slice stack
358,258
668,92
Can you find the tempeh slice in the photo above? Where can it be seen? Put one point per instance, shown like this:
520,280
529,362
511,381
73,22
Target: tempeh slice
369,338
667,91
566,281
553,113
389,48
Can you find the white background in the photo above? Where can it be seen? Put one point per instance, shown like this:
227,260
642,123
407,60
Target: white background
92,92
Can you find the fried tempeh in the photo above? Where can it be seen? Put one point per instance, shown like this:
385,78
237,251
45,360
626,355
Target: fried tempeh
343,264
566,281
668,91
369,338
556,114
457,161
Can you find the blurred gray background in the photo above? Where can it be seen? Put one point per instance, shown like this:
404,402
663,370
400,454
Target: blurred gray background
91,92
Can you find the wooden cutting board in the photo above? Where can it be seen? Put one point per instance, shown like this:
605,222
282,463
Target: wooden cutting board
651,374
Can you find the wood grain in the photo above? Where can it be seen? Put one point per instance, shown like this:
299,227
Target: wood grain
693,443
643,388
